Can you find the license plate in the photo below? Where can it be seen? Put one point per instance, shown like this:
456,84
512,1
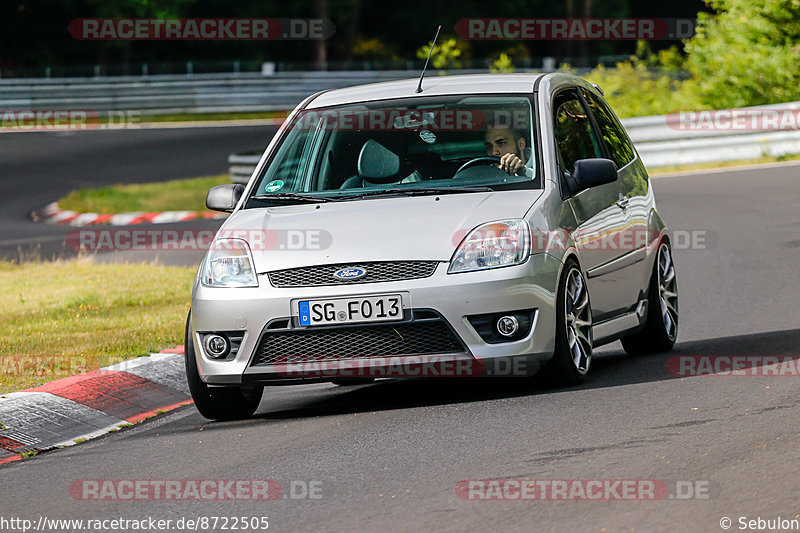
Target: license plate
350,310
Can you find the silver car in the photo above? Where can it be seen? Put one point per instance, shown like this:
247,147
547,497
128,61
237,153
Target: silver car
492,225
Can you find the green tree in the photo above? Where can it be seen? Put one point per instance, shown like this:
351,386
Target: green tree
372,50
502,64
444,55
747,53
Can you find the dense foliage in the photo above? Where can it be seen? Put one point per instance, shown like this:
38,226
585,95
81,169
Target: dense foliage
747,53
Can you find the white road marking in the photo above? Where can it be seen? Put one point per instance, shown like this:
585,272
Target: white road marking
723,170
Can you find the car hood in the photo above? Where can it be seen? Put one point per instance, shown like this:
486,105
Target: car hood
380,229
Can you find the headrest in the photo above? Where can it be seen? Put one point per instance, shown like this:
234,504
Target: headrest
376,162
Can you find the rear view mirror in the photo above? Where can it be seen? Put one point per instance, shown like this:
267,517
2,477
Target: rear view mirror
593,172
224,197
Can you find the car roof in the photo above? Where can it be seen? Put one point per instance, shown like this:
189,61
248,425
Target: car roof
432,85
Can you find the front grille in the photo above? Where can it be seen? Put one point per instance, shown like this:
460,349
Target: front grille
316,276
426,337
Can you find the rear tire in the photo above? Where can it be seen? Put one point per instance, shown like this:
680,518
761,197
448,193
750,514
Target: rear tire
572,356
217,403
661,327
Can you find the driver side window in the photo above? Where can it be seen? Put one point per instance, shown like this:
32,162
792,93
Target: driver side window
575,137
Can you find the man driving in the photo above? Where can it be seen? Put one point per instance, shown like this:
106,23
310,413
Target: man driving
510,146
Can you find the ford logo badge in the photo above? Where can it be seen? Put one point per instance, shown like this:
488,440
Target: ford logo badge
350,273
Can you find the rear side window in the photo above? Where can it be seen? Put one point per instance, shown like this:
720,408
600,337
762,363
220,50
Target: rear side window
575,136
614,138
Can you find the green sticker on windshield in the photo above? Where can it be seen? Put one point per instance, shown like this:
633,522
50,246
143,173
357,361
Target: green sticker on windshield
273,186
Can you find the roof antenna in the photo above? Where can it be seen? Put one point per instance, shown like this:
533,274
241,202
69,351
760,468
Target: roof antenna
419,87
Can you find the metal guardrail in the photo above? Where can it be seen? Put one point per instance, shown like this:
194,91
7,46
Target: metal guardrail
658,139
172,94
242,167
719,149
662,140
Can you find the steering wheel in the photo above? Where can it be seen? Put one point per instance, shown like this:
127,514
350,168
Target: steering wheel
483,160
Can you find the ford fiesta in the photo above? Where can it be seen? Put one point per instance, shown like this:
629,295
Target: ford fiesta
483,225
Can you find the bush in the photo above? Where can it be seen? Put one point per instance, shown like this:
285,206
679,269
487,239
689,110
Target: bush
502,64
635,90
444,55
372,50
744,54
747,53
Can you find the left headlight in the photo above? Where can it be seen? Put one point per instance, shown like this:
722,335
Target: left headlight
492,245
229,264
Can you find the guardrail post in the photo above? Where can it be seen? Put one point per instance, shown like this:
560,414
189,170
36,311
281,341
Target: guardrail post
144,69
267,68
242,167
189,67
236,66
97,71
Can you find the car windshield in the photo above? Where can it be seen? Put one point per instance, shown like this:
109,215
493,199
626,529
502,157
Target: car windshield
414,146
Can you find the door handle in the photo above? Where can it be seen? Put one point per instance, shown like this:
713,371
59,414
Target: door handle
622,203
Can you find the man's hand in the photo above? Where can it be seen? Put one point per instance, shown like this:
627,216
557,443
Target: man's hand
510,163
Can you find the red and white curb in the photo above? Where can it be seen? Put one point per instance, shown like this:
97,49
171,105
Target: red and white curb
70,410
53,214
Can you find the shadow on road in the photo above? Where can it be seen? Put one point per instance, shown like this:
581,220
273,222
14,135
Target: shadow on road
609,370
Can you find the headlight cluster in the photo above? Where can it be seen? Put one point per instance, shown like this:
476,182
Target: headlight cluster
229,264
493,245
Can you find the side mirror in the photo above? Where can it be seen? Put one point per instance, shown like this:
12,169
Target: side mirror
224,197
593,172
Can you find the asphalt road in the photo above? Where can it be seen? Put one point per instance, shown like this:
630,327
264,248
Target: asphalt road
388,456
40,167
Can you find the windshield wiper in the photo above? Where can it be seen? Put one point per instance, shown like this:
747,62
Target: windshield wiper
292,197
418,191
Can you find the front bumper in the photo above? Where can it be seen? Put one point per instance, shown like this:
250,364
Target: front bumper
453,297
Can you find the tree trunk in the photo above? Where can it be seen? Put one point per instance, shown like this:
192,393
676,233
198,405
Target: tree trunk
320,45
569,49
583,46
352,29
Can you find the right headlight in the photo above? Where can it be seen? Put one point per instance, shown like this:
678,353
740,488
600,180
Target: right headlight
229,264
493,245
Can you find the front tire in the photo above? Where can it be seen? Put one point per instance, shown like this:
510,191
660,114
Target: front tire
573,350
217,403
661,327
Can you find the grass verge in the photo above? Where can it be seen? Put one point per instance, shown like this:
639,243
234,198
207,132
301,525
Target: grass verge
68,317
175,195
672,169
203,117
